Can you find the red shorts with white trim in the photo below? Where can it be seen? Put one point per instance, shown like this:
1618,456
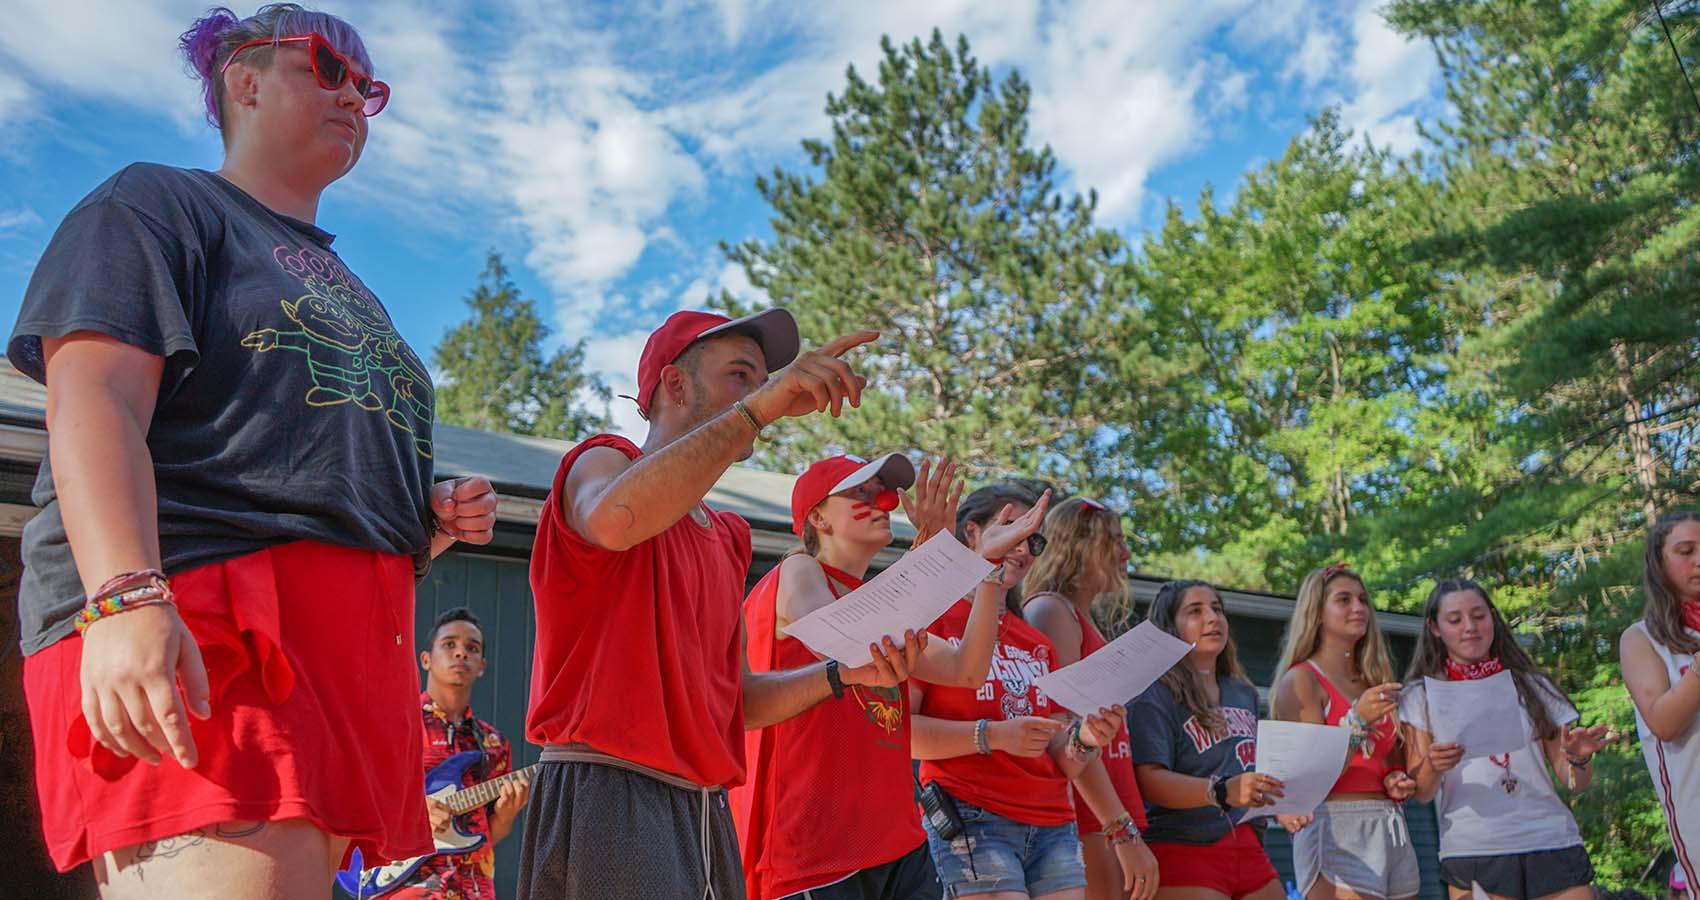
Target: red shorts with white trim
1235,865
315,713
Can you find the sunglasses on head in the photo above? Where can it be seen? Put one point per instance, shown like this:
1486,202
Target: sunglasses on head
330,69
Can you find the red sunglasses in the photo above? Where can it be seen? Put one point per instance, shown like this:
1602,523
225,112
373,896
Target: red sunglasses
330,68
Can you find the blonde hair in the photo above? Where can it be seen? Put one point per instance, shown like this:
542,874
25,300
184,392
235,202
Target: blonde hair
1370,659
1079,543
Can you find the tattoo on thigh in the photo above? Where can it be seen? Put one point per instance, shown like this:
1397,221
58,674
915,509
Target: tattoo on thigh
238,829
165,848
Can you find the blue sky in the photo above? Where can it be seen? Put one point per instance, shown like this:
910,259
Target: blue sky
606,148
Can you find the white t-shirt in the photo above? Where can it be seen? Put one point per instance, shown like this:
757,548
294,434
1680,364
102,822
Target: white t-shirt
1477,816
1675,766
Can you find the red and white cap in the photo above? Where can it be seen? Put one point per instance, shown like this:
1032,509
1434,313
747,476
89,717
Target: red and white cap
774,329
841,473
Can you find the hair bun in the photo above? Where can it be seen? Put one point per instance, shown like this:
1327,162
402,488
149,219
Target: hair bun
200,42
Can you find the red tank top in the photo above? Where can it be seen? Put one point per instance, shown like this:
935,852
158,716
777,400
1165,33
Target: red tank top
638,652
1032,791
814,776
1364,774
1118,759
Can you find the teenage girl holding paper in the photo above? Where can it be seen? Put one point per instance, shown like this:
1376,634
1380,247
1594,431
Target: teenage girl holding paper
1658,656
1503,826
801,800
1000,755
1194,743
1086,558
1335,670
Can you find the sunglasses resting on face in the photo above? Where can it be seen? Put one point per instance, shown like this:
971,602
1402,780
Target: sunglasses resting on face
330,68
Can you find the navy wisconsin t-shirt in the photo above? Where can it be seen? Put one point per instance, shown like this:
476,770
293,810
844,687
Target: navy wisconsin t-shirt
1165,733
289,408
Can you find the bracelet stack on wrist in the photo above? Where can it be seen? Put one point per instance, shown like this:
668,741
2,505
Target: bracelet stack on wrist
749,417
1582,763
981,743
1121,831
122,593
1360,734
1076,747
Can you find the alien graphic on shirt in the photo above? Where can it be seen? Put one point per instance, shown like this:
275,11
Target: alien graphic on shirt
353,352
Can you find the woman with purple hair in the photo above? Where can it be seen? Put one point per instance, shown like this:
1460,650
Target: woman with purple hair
217,602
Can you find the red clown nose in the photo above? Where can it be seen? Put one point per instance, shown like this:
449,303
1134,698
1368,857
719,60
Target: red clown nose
886,500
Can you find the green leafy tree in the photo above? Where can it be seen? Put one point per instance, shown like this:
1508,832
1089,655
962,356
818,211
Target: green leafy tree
496,377
1004,310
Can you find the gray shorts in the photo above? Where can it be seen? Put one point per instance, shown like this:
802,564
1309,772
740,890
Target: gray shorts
1360,845
596,832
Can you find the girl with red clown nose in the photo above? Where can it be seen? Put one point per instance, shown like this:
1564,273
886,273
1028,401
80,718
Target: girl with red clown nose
828,810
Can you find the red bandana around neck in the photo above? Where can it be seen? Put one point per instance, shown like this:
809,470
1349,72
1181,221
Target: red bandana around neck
1473,671
1691,614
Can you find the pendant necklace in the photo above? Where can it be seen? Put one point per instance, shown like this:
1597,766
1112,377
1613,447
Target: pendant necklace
1507,781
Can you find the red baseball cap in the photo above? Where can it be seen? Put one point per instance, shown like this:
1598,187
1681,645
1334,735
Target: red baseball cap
774,329
841,473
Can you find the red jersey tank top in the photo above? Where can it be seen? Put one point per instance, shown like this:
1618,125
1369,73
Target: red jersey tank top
1118,757
844,761
638,652
1032,791
1364,774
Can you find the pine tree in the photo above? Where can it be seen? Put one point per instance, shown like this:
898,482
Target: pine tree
495,376
1003,308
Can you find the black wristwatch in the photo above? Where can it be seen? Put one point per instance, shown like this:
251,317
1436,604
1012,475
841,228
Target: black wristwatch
1219,793
833,679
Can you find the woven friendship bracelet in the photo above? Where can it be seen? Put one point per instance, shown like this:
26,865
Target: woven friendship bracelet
107,603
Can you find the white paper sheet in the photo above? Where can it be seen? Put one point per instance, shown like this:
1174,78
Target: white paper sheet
1308,760
910,595
1117,673
1482,714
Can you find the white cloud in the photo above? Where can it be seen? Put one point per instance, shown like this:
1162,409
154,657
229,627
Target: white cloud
18,218
1394,79
1317,58
616,358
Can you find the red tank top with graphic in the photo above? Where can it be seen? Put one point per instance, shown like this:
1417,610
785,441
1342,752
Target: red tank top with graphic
1118,758
812,778
1364,774
1029,790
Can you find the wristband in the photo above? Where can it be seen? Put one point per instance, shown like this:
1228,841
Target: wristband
833,681
1077,747
981,743
1122,830
122,593
995,576
1583,763
743,410
1219,794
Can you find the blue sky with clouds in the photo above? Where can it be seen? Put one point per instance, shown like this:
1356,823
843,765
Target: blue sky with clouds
607,148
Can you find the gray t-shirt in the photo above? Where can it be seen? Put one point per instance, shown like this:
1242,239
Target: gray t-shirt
1165,733
289,407
1477,816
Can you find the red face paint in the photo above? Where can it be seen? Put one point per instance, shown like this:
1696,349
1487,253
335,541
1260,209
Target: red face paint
886,500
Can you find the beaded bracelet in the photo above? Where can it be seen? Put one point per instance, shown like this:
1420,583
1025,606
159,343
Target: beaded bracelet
1360,734
1121,830
981,744
122,593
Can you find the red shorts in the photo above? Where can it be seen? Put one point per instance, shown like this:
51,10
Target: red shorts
1235,865
315,713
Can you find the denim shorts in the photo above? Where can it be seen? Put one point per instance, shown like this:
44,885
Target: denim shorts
997,854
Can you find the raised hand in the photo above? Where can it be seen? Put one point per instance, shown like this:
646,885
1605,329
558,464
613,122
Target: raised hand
816,381
1376,703
1023,735
132,665
465,508
891,664
1583,743
1006,530
937,492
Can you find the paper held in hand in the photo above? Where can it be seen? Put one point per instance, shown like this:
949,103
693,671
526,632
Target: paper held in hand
1306,758
910,595
1117,673
1481,714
